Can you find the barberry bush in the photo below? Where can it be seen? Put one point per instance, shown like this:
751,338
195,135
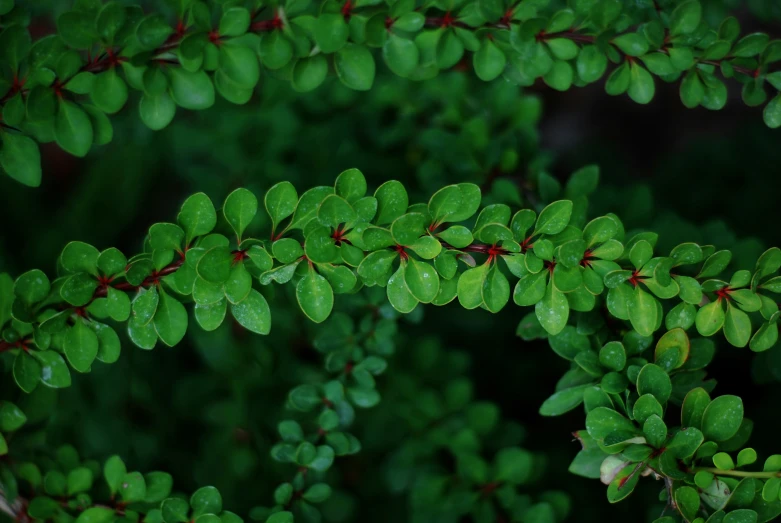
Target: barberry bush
328,385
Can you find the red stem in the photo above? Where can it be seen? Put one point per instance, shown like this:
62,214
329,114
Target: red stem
152,279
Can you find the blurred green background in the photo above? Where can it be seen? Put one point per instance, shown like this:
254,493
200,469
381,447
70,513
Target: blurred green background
206,410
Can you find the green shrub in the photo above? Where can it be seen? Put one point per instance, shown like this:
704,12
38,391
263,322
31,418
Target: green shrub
637,318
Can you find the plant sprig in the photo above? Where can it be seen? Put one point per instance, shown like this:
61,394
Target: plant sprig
62,87
600,297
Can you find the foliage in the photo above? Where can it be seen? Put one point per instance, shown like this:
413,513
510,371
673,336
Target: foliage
333,241
347,272
51,92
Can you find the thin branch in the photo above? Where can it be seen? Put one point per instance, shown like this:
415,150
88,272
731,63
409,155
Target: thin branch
739,473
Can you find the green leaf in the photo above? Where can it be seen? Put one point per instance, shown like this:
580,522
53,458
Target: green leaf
175,510
530,289
601,422
276,51
552,310
645,406
317,493
133,487
560,76
114,472
32,287
747,457
280,202
306,210
76,28
111,261
158,486
563,401
655,431
631,44
375,268
355,67
280,517
335,211
156,111
351,185
710,318
239,210
641,85
73,129
109,91
563,48
110,20
742,515
153,31
206,500
591,64
239,283
253,313
643,312
210,316
674,339
11,417
495,290
78,289
191,90
319,247
97,515
170,319
315,296
401,54
613,356
80,257
166,236
653,380
554,218
750,45
737,326
659,64
54,371
765,337
470,287
489,61
79,480
456,236
234,21
215,265
309,73
445,203
197,216
330,32
771,114
685,18
688,501
20,158
421,279
692,90
722,418
80,346
618,81
685,443
406,229
399,294
27,372
392,202
240,65
715,264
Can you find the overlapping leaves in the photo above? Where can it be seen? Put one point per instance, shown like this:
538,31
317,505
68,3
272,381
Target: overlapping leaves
62,87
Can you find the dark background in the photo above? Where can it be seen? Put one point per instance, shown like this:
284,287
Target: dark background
206,409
